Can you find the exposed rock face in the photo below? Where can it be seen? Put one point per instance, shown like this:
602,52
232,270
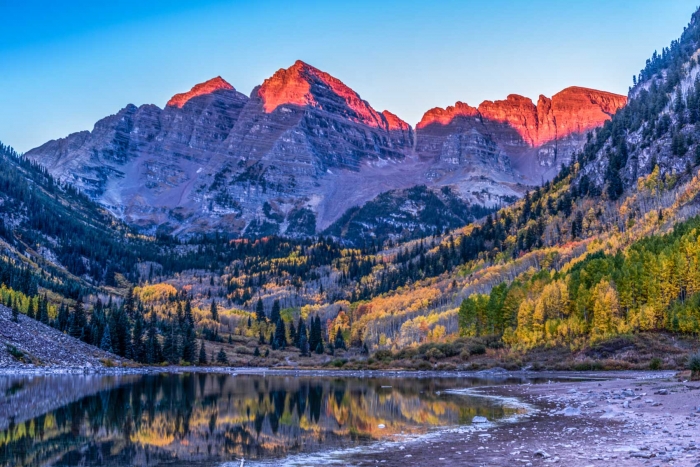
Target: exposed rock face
536,138
304,148
208,87
216,159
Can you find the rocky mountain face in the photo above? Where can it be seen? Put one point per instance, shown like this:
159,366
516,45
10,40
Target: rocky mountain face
304,148
537,138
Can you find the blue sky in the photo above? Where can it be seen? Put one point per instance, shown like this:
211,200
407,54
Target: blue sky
64,65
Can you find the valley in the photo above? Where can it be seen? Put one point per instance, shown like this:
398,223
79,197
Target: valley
292,277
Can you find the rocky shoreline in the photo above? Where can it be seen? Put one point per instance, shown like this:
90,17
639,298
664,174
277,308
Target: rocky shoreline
629,420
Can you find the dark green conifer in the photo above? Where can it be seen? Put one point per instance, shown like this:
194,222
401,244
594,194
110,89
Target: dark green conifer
259,311
202,354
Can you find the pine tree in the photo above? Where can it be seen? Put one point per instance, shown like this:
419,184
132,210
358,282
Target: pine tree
275,313
189,319
339,340
301,332
139,350
170,347
30,310
153,350
221,357
189,345
319,347
280,335
214,311
203,354
15,312
129,303
259,311
77,320
292,334
315,335
62,320
44,310
256,352
304,345
106,343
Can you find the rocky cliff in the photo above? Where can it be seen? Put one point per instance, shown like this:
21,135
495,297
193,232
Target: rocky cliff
304,148
537,138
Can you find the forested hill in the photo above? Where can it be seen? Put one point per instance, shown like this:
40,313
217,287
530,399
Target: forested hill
54,237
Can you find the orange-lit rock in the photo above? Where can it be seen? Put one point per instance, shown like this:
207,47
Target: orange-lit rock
208,87
304,85
573,110
394,122
445,116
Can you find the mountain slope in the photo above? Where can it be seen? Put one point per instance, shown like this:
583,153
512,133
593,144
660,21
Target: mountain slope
28,342
56,238
305,143
538,139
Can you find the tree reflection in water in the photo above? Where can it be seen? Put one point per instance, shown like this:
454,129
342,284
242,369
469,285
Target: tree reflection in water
205,418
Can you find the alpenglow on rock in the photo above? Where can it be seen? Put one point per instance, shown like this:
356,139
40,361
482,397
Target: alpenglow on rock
304,148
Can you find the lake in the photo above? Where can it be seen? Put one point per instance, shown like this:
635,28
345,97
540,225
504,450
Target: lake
208,419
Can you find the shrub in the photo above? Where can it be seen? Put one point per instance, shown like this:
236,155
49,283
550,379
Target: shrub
383,355
406,353
423,365
448,350
477,349
339,362
241,350
694,366
434,353
15,352
464,355
655,364
588,365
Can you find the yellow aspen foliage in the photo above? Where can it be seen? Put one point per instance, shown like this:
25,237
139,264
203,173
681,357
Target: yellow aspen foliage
606,309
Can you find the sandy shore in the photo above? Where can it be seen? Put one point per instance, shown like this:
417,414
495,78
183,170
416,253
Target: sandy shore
636,420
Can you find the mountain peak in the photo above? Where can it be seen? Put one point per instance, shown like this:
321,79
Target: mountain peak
394,122
445,116
207,87
305,85
572,110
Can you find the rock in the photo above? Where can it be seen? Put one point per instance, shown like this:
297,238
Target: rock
643,455
571,411
479,419
520,128
542,454
208,87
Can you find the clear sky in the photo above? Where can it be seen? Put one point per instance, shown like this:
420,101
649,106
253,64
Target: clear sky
65,64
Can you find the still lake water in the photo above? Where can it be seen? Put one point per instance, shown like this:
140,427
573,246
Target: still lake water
210,419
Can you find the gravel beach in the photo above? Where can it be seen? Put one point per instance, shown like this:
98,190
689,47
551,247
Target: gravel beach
630,420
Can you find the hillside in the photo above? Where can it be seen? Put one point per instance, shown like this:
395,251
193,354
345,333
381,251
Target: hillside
28,342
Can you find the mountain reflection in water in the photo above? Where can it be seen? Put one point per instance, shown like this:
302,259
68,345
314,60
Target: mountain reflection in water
208,418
